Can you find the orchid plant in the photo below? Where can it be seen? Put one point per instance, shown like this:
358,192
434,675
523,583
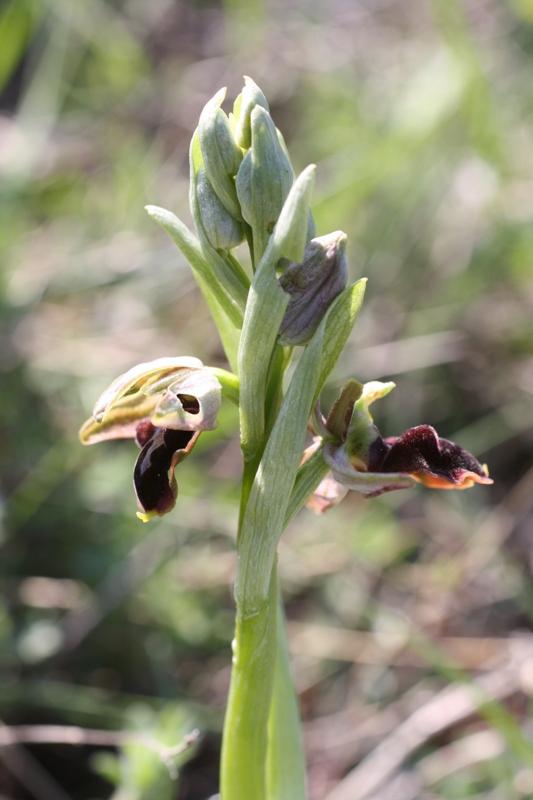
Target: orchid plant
243,189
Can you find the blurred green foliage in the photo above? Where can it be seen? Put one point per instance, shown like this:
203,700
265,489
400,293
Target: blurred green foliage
418,116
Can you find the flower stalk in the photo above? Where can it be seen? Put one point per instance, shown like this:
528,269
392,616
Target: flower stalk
296,301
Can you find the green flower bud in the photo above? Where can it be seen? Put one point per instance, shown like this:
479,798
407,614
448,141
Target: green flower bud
221,153
245,103
264,180
222,230
313,285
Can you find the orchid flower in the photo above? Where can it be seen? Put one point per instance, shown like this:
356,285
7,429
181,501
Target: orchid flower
164,405
361,460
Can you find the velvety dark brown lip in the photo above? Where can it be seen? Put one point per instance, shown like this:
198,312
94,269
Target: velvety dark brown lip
155,491
420,450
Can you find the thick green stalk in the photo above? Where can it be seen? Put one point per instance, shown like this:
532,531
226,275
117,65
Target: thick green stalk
245,742
285,756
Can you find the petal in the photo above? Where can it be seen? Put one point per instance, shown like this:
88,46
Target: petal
153,476
155,375
121,421
372,391
340,415
436,462
328,493
371,484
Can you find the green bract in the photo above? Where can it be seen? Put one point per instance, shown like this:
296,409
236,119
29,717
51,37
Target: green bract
263,181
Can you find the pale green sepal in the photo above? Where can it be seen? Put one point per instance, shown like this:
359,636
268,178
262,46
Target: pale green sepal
265,309
263,181
266,509
339,323
229,383
212,277
139,379
221,154
250,97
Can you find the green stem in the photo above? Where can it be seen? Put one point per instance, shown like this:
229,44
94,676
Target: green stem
285,757
245,738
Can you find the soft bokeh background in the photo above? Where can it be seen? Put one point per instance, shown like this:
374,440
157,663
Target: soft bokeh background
419,117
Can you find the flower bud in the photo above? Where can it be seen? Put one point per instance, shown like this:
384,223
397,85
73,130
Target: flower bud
221,228
221,153
264,180
313,285
245,103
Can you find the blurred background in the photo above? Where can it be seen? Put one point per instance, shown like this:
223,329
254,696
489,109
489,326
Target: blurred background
410,616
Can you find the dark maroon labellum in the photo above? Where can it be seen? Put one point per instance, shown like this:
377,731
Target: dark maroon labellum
155,487
420,450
